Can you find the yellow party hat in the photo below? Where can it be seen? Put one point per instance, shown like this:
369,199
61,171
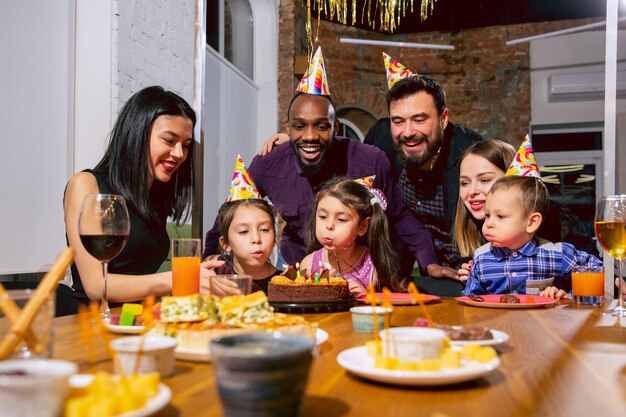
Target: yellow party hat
524,163
242,187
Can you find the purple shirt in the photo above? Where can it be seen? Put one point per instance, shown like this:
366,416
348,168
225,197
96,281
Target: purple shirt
279,177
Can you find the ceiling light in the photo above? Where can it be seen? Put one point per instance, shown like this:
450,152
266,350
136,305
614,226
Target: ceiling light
562,168
561,32
397,44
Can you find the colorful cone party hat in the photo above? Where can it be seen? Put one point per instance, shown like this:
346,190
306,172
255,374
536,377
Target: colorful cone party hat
368,182
524,163
377,195
314,79
396,71
242,187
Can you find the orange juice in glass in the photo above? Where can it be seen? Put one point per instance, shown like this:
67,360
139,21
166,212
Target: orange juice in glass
588,284
186,266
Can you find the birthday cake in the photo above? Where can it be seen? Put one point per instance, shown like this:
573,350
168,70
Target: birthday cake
285,290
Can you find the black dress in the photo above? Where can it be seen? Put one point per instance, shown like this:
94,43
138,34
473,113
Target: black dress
146,249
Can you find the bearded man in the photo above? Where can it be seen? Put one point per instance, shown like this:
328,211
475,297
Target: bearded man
424,148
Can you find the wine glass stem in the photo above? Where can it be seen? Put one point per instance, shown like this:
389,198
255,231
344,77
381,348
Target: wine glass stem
620,279
105,312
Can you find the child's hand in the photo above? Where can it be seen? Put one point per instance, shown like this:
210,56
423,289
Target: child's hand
206,273
465,271
554,292
356,287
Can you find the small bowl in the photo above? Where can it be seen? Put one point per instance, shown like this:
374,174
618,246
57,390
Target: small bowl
363,317
34,387
412,343
157,354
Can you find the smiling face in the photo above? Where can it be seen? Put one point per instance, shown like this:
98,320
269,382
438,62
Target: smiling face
250,237
416,128
170,140
311,127
506,223
337,226
477,177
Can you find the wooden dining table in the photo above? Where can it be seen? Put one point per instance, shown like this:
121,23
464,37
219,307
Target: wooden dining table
561,360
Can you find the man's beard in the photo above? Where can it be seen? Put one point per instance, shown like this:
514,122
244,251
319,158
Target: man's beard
312,169
416,161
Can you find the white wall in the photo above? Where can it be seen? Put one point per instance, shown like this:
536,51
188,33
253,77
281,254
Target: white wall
34,45
155,46
239,114
574,53
229,123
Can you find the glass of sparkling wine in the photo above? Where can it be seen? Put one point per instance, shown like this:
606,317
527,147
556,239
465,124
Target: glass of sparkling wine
610,227
103,226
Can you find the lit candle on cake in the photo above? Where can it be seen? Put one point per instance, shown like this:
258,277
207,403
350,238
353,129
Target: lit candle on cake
297,270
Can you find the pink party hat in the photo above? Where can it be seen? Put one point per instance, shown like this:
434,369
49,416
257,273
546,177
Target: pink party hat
524,163
396,71
314,79
242,187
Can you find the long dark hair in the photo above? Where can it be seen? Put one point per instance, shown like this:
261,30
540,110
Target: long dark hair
127,158
356,196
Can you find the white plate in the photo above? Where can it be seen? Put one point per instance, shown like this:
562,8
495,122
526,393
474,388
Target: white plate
320,336
359,362
114,328
154,404
193,355
498,337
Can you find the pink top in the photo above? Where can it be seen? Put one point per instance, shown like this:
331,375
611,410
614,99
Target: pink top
362,271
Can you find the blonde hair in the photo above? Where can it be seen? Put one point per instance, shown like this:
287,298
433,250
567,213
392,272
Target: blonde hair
466,232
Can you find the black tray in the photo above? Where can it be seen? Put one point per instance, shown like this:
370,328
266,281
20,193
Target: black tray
313,307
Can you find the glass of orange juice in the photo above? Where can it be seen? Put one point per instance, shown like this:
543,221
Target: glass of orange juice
588,284
186,254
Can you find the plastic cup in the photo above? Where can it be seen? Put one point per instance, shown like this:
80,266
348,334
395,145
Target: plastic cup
363,318
262,374
41,327
186,266
234,285
588,285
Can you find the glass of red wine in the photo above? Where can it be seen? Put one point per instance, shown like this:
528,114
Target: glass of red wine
103,226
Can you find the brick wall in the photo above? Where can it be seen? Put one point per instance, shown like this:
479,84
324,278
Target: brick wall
155,42
487,83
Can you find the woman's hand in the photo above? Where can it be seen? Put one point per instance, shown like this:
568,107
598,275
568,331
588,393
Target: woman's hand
554,292
464,271
439,271
274,140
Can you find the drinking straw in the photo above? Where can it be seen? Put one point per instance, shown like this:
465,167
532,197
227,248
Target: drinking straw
85,331
416,296
147,319
12,312
94,308
48,284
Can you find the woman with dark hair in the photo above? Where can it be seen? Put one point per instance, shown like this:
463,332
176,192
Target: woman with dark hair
149,162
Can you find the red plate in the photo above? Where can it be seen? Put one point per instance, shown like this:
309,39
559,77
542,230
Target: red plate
493,301
400,298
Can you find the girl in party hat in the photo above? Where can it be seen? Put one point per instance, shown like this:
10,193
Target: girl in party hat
247,235
514,261
348,233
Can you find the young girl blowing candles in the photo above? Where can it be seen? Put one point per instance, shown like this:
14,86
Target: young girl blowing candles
349,232
247,228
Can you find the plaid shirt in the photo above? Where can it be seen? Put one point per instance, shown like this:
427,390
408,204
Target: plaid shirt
502,271
427,203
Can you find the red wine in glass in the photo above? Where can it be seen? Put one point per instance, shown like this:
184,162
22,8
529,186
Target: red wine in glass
103,226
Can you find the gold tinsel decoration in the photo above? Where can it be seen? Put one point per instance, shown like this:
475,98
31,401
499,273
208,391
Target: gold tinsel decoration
386,12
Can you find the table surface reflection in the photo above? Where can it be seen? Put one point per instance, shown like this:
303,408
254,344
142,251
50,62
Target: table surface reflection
559,361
